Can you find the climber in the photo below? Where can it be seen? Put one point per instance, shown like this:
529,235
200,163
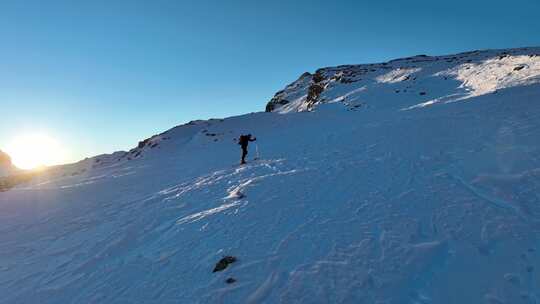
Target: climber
243,141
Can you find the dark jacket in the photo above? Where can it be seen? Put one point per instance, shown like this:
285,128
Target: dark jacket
245,139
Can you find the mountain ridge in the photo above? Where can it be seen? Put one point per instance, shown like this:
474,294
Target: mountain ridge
304,83
303,94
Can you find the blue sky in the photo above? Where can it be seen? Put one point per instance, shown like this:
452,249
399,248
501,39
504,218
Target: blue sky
101,75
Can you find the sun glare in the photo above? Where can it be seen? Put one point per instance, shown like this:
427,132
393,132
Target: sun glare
35,151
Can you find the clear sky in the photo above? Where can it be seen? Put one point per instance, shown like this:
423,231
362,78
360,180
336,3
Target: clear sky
100,75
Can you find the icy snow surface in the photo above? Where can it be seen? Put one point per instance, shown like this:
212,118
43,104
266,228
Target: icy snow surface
388,202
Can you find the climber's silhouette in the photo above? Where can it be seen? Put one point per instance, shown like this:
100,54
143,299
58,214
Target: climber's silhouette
243,141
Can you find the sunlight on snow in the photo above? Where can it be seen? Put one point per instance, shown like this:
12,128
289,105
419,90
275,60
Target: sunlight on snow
35,150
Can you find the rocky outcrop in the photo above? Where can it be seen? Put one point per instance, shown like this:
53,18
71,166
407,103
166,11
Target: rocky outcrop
275,103
315,89
293,93
6,167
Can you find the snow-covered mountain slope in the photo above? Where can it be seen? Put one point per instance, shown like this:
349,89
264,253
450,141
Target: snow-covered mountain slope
412,82
388,202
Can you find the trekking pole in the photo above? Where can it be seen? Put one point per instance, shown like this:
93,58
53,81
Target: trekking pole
257,151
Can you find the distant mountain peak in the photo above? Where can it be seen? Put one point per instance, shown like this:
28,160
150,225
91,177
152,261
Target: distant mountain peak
406,82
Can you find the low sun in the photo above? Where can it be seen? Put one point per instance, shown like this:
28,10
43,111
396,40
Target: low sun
34,151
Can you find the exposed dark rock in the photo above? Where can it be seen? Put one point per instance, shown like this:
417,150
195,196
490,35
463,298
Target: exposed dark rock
313,94
230,280
279,98
422,93
224,263
318,76
519,68
305,74
143,143
315,89
270,106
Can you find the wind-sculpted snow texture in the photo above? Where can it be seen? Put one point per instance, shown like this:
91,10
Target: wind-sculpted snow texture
389,202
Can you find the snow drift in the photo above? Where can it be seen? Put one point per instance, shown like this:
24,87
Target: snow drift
412,181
